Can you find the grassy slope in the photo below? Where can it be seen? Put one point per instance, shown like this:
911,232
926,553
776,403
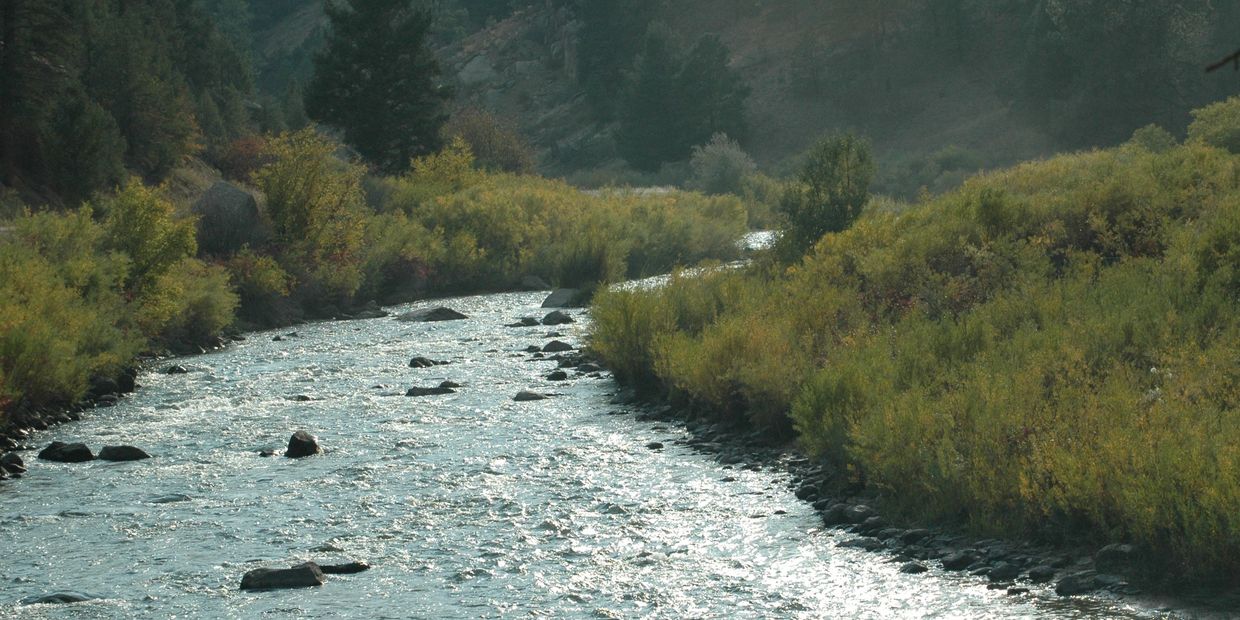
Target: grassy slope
1048,351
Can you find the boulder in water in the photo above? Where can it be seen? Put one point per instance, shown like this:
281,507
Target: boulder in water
525,321
565,298
425,362
176,369
61,452
527,396
557,346
12,463
344,569
57,598
558,375
1077,583
557,317
430,315
122,453
302,444
434,391
305,575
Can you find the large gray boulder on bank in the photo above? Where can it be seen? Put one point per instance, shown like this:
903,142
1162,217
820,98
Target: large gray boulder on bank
305,575
122,453
302,444
228,219
430,315
565,298
61,452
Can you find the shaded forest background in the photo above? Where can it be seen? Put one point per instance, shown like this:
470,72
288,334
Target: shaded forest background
618,92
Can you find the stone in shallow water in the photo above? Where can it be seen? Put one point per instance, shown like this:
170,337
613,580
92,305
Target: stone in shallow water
302,444
557,346
433,391
58,598
429,315
913,568
61,452
305,575
557,317
344,569
122,453
526,396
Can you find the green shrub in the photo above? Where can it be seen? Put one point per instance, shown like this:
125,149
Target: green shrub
720,166
1217,125
141,224
496,146
1153,138
262,288
833,187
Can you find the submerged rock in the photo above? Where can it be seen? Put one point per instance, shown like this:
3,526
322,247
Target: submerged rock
450,384
66,453
557,346
344,569
558,375
913,568
526,396
12,463
525,321
176,369
425,362
302,444
305,575
431,315
122,453
557,318
1077,583
434,391
57,598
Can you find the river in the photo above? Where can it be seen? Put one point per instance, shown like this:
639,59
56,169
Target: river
467,505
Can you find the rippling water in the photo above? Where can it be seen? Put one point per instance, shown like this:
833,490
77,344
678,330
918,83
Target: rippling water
468,505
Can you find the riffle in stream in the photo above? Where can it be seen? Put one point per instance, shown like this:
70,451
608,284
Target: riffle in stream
467,505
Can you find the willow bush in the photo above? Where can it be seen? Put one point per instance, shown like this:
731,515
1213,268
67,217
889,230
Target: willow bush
1048,350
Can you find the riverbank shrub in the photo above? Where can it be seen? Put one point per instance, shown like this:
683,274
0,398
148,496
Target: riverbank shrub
1048,350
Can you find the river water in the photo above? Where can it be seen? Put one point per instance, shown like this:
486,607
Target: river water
467,505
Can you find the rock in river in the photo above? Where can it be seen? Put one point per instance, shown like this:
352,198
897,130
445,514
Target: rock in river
425,362
305,575
432,391
12,463
429,315
176,369
67,453
557,318
557,346
526,396
564,298
58,598
122,453
525,321
302,444
344,569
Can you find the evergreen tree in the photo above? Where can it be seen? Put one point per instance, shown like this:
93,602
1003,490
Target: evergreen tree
376,80
611,37
674,102
649,121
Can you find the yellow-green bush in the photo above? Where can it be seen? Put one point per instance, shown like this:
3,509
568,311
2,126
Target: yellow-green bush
1049,349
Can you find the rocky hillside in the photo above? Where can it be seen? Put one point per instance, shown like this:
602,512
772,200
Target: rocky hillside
941,88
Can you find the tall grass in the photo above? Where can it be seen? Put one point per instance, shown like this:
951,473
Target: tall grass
1049,350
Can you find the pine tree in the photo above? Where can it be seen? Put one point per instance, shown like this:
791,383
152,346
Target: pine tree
376,80
649,128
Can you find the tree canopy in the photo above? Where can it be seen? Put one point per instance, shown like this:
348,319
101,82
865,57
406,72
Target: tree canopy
377,80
